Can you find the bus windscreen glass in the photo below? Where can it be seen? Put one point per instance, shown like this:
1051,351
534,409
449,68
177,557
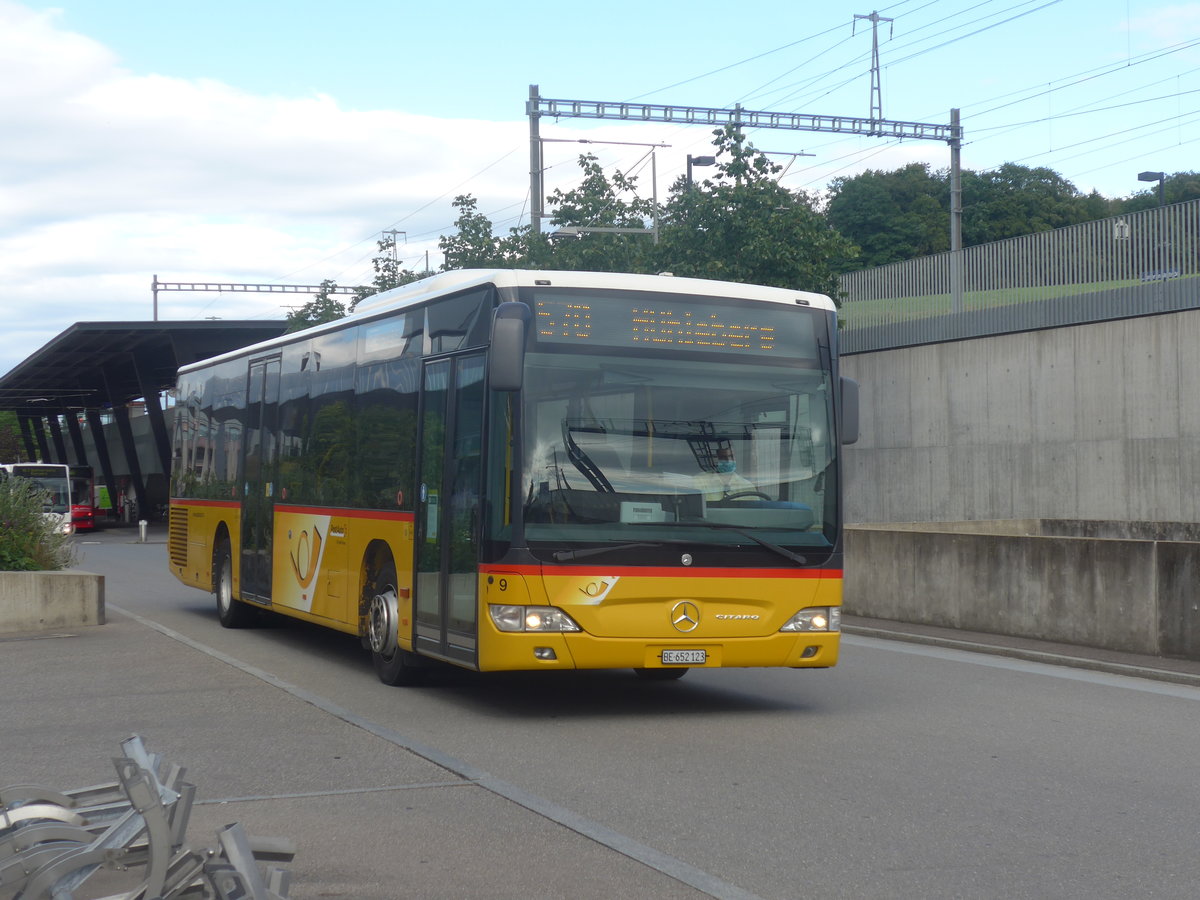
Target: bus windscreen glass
673,431
52,480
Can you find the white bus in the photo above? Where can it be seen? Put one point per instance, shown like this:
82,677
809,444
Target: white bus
54,479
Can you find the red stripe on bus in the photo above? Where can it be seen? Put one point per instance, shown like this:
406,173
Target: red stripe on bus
550,570
309,510
347,513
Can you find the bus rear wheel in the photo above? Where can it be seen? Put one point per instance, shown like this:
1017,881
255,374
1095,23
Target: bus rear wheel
393,664
231,612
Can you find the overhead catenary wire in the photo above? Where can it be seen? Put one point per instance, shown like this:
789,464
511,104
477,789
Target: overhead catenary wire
920,38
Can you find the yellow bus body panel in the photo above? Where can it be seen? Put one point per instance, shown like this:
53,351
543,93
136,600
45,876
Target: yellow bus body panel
318,554
629,617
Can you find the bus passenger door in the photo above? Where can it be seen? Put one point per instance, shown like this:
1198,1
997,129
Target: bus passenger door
259,465
448,518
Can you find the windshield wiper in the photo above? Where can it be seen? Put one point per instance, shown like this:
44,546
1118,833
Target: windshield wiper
774,548
564,555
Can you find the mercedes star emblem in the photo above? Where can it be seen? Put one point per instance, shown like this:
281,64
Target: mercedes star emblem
685,616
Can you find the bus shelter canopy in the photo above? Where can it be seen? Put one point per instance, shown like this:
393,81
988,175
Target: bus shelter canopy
98,365
93,372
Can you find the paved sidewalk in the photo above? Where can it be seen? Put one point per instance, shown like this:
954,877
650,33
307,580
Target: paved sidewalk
372,819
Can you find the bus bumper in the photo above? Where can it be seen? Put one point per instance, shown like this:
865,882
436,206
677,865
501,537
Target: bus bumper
509,652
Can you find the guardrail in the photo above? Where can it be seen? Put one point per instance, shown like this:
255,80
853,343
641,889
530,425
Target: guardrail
52,842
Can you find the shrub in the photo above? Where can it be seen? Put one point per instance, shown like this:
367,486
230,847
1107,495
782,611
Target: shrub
29,540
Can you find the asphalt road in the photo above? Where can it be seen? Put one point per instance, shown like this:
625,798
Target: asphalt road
908,770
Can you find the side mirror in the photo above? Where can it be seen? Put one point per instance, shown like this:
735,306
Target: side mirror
849,423
506,358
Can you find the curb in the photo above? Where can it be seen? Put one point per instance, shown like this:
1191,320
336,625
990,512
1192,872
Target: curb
1112,667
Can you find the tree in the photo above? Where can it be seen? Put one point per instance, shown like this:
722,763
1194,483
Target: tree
1015,200
12,447
389,273
893,216
323,307
1177,188
741,225
598,203
474,246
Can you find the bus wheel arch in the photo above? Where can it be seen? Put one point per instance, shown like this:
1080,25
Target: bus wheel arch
379,615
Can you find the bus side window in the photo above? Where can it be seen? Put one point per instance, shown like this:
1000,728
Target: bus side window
461,321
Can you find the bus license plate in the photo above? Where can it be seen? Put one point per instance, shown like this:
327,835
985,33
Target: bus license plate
684,657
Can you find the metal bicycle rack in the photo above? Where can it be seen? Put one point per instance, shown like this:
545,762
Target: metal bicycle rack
51,842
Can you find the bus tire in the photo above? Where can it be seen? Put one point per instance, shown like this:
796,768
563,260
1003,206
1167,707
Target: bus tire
661,674
231,612
393,664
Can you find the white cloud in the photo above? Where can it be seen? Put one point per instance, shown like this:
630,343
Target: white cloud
117,177
109,176
1167,25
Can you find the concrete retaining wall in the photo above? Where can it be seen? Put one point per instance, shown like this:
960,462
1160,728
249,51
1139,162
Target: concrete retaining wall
1129,591
1091,422
36,601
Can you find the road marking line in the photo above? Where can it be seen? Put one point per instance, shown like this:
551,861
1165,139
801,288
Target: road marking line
601,834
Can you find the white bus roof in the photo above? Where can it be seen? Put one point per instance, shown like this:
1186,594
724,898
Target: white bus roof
413,294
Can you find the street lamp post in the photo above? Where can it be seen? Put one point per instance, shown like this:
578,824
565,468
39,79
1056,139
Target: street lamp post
698,161
1161,274
1161,178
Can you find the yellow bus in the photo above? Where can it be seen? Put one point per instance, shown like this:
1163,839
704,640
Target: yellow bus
518,470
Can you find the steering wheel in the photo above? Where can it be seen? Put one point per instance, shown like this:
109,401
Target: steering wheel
759,494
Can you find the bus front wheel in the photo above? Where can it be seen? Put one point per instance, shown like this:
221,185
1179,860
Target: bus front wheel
232,613
393,664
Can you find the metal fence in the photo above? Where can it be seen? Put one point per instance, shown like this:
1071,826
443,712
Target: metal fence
1139,264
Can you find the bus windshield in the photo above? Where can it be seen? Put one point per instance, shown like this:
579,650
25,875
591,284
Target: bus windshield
671,447
52,481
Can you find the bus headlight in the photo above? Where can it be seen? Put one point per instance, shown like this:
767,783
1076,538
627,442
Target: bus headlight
531,618
815,618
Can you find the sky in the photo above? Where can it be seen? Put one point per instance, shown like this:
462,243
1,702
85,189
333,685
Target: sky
270,143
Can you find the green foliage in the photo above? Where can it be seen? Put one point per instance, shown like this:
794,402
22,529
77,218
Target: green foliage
739,226
1177,188
600,202
1014,200
323,307
742,225
12,447
893,216
474,246
389,273
904,214
29,540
